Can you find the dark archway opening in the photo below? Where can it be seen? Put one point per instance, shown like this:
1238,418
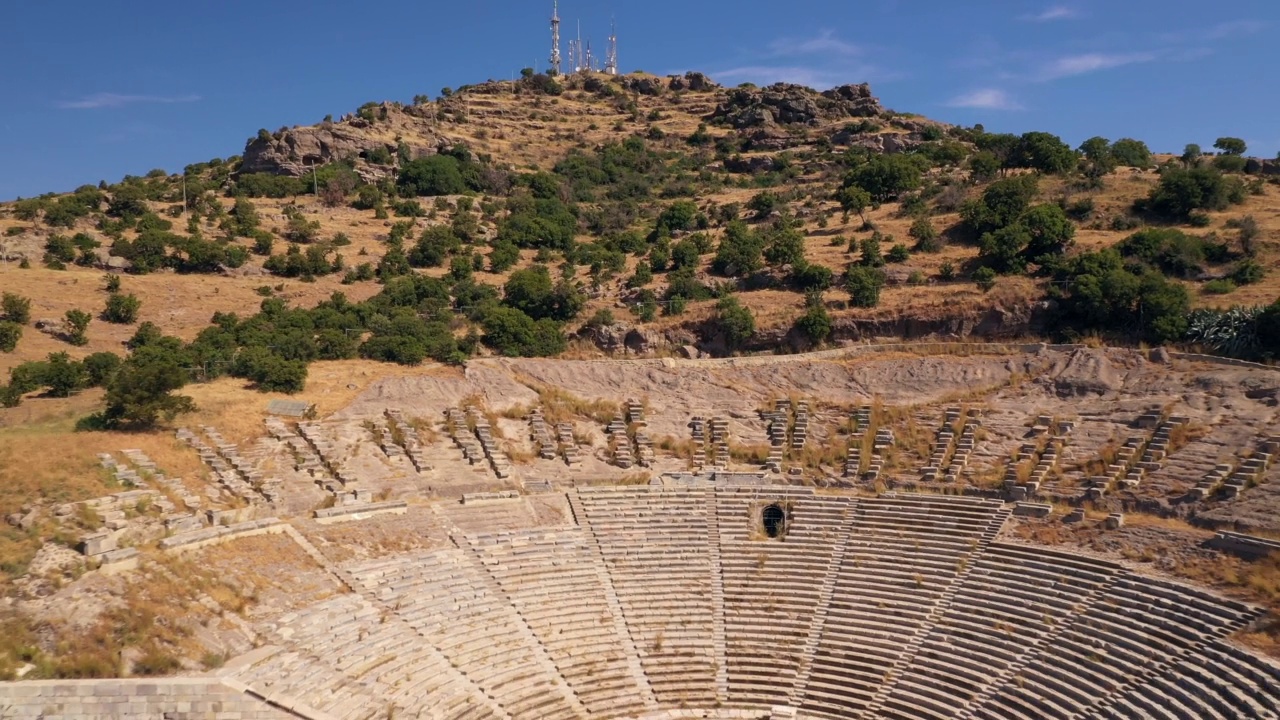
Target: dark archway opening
773,518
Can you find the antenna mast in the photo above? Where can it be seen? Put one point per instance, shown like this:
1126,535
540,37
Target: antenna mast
555,37
611,53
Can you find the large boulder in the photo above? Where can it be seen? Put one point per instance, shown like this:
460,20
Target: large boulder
694,81
855,100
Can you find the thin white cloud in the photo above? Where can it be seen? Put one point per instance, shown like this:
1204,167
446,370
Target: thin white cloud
115,100
824,43
985,99
1234,28
1071,65
1052,13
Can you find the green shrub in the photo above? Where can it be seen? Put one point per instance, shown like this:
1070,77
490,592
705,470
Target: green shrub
898,254
121,309
815,324
1221,286
863,284
77,324
985,277
15,308
10,333
947,272
1248,272
736,321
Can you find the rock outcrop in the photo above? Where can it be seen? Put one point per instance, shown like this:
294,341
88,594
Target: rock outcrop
294,151
643,84
787,104
694,81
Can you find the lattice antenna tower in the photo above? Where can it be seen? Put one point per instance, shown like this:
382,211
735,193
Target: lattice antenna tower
578,64
611,53
555,37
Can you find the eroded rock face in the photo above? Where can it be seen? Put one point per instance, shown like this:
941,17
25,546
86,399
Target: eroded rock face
295,151
788,104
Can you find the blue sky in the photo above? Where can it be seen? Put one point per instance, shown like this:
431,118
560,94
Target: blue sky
97,90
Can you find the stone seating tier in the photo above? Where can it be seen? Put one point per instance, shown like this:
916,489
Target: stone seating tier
665,602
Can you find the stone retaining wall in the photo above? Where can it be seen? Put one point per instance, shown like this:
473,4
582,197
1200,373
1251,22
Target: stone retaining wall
169,698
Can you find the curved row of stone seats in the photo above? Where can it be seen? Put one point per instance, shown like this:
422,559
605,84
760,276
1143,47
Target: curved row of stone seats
555,580
772,589
448,601
344,657
655,544
1012,602
1140,626
902,555
1217,683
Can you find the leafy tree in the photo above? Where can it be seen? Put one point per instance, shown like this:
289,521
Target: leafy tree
1096,149
854,199
77,324
1191,155
925,235
885,177
736,321
100,368
1181,191
863,284
983,166
685,254
532,292
740,251
809,277
270,371
10,334
512,333
680,215
1131,153
870,249
431,176
1001,204
786,247
61,375
503,257
1044,152
1001,250
141,393
434,245
121,309
59,250
1230,145
393,264
763,204
1051,232
15,308
815,324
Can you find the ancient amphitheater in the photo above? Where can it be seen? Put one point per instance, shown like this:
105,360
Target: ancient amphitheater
518,564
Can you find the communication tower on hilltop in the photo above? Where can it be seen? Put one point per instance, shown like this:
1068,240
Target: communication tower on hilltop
611,53
555,37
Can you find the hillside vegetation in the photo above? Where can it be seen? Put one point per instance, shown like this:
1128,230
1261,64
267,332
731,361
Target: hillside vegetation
593,214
